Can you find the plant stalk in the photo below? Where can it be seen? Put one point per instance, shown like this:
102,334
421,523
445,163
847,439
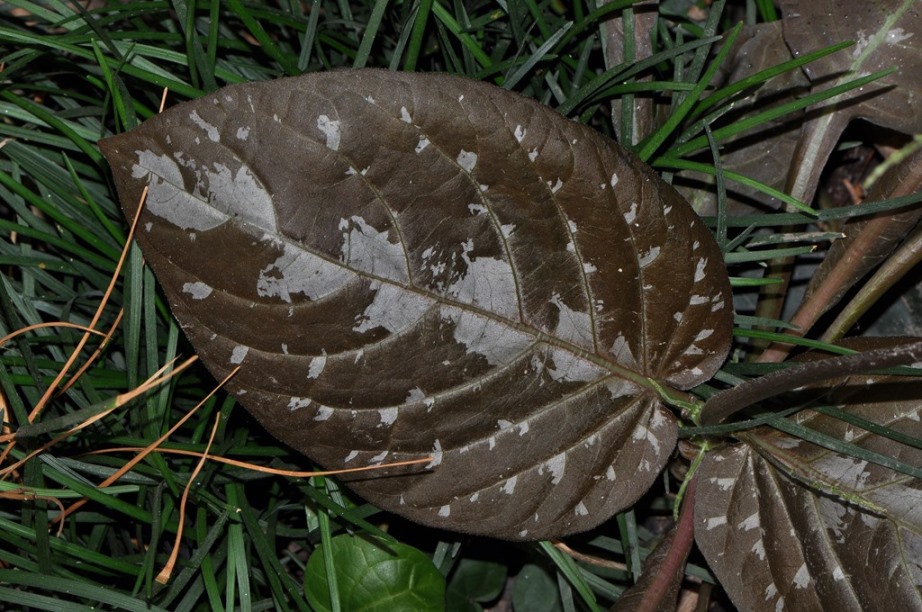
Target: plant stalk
727,403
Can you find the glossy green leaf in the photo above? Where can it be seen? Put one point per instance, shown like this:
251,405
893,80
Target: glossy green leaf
536,590
375,576
474,582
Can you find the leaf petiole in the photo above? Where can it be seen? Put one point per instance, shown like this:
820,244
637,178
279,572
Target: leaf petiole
687,403
689,476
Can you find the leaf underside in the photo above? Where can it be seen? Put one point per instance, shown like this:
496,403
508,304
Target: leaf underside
886,35
787,524
409,266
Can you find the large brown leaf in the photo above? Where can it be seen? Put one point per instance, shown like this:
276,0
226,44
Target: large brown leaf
409,265
787,524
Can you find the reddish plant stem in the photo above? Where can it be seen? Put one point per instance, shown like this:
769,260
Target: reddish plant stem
727,403
873,240
674,563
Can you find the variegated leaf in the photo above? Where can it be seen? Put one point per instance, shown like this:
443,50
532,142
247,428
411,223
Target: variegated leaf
409,266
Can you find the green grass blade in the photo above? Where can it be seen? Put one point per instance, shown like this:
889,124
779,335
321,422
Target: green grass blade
569,569
33,601
326,547
766,255
649,145
43,115
839,446
773,113
211,562
468,41
623,72
414,49
829,214
371,30
73,551
724,93
98,593
281,586
266,44
238,562
683,164
539,55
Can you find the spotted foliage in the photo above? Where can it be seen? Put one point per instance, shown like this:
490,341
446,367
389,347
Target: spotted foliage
788,524
409,266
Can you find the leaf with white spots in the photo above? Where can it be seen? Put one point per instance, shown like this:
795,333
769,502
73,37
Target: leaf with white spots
412,266
785,523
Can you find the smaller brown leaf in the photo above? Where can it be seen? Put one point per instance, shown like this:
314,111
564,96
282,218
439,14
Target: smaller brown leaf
785,523
886,33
